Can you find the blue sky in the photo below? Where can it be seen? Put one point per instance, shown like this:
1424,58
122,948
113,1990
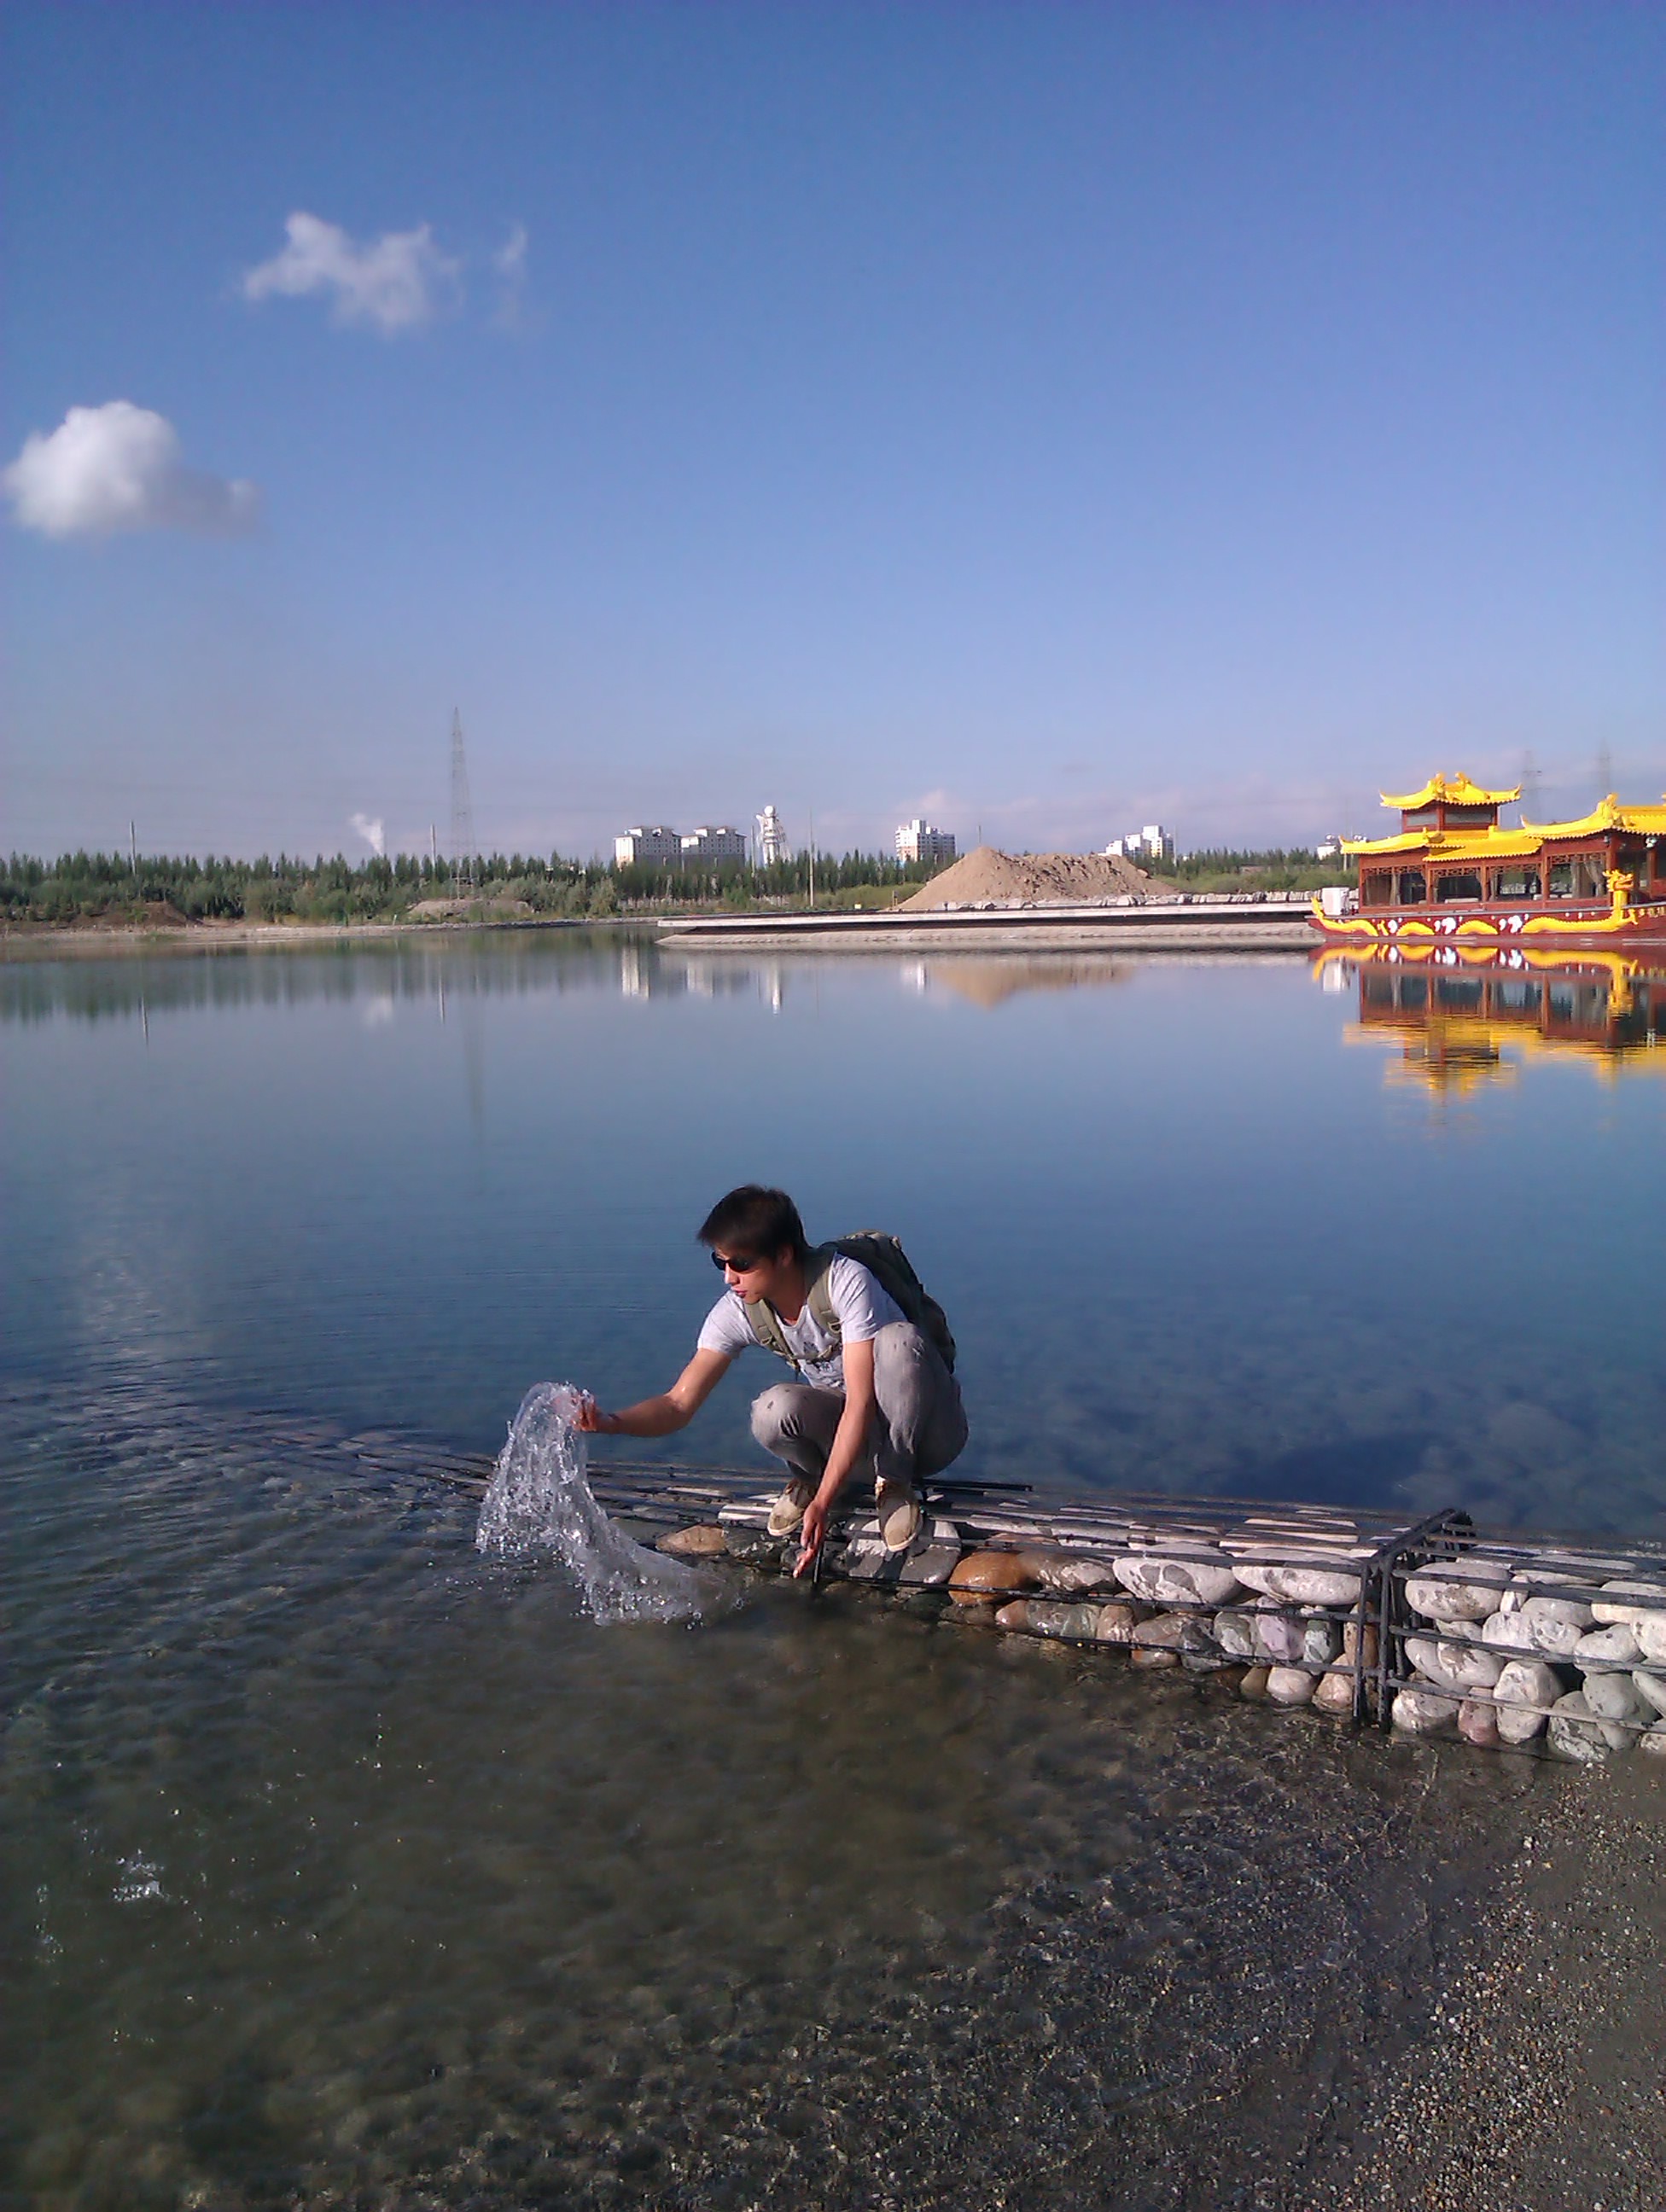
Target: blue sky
1043,417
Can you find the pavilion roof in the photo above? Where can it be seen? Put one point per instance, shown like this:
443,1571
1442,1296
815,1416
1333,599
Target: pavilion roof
1456,791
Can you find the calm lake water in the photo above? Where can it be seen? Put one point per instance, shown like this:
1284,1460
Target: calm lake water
344,1867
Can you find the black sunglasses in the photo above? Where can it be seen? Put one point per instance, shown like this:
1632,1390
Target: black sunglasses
740,1266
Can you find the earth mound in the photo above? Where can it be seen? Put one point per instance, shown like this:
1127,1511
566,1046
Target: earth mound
1045,879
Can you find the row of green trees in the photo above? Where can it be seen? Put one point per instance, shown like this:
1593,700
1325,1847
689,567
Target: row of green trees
1280,868
111,888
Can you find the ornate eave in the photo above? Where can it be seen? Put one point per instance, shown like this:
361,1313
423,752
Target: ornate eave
1640,821
1490,843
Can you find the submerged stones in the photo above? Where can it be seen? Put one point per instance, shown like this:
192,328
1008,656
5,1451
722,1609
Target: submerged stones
1036,1616
699,1543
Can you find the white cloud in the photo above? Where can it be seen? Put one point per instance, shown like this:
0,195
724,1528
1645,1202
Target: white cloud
396,283
371,831
510,263
510,259
119,467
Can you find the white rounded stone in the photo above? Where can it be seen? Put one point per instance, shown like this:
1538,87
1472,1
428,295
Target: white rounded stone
1453,1665
1653,1740
1299,1585
1576,1732
1071,1574
1650,1630
1507,1631
1519,1723
1613,1697
1556,1623
1290,1686
1457,1589
1528,1682
1423,1712
1651,1688
1176,1582
1624,1601
1613,1646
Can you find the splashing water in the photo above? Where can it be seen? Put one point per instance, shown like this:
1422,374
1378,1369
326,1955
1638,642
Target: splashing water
539,1500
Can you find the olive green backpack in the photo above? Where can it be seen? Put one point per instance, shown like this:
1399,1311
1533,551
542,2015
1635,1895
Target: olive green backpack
883,1256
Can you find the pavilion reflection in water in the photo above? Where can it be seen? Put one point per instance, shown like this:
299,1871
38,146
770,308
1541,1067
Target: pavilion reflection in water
1460,1022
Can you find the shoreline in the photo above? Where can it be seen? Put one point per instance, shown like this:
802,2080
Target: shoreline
102,937
1267,930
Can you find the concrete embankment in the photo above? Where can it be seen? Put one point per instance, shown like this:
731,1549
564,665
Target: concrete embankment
1214,925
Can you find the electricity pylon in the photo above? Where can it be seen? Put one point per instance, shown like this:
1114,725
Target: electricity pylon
464,875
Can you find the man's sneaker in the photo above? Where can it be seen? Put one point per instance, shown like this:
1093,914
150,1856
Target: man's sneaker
898,1510
788,1511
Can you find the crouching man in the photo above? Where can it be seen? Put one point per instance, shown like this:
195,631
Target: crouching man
872,1392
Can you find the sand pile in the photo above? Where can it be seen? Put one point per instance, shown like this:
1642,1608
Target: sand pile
1045,876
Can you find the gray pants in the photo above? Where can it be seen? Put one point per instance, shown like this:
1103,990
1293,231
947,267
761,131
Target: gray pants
919,1424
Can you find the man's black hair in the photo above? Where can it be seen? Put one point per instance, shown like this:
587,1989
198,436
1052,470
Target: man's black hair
756,1221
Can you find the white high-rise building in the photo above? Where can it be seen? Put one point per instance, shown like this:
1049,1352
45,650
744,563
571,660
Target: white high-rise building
709,843
1153,843
652,847
918,841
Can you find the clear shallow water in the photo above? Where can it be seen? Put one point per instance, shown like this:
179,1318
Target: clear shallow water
1191,1232
343,1865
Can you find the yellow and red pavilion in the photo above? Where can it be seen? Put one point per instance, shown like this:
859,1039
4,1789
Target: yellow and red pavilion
1454,871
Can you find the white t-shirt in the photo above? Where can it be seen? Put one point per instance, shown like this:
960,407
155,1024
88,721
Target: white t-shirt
862,1305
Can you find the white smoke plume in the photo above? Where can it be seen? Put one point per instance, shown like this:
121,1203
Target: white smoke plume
371,830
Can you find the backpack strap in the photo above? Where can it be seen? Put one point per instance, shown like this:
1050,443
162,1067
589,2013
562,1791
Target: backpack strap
766,1321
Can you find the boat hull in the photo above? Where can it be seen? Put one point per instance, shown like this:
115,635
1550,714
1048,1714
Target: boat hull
1478,927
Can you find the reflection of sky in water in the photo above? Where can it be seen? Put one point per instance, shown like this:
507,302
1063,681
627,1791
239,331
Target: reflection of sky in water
1187,1237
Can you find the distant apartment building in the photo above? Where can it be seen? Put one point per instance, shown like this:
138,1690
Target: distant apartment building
707,844
1153,843
918,841
656,846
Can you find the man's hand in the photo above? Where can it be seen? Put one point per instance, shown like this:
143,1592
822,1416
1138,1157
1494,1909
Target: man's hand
591,1419
812,1534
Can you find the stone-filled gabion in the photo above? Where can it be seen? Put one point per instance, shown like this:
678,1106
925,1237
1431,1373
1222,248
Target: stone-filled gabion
1562,1649
1562,1652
